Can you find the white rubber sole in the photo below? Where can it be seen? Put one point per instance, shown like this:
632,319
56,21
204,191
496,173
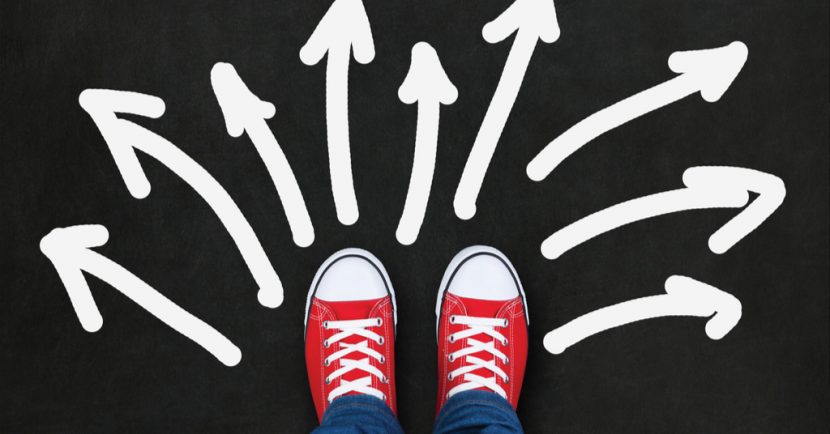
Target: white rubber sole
352,251
456,262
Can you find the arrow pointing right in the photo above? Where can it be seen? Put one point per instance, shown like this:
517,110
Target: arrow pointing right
684,297
426,83
706,187
709,72
69,251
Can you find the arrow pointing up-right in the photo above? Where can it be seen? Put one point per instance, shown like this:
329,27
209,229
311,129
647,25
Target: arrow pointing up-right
709,72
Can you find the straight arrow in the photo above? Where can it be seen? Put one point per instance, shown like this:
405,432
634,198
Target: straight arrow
345,27
69,251
706,187
684,297
427,84
531,20
245,112
124,138
709,72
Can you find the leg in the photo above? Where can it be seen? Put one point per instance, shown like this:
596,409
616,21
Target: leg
482,343
350,345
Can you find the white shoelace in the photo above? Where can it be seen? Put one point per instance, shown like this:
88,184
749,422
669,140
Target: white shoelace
350,328
478,326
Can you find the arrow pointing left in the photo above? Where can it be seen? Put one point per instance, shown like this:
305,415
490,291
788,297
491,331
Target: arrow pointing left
124,137
69,251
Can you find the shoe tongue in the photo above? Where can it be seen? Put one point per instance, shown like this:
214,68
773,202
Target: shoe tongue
482,308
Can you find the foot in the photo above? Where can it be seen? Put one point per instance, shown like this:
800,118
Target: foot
482,326
350,330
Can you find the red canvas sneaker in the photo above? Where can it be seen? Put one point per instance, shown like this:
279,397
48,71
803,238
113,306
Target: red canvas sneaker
350,330
482,326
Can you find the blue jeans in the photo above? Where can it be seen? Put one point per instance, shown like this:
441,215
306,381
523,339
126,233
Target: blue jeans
474,411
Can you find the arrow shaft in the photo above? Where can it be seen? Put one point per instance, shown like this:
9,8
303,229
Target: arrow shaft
337,131
638,209
284,181
607,119
159,306
270,292
493,124
423,167
621,314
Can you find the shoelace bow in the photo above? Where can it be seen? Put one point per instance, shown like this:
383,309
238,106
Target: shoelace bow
347,329
477,326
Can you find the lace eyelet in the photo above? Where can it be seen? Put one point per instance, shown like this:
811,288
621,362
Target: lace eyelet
383,397
328,380
380,322
384,380
507,380
451,358
504,342
382,359
326,343
452,319
381,341
506,323
449,377
326,362
451,339
326,325
506,361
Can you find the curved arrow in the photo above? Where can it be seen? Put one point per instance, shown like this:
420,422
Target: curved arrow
124,137
532,20
706,187
69,251
684,297
345,27
245,112
427,83
709,72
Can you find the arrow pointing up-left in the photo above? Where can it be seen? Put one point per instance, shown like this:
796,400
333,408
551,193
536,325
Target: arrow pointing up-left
124,137
69,251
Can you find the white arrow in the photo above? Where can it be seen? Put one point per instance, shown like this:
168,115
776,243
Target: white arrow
344,28
532,20
706,187
427,83
245,112
69,251
684,297
709,72
124,137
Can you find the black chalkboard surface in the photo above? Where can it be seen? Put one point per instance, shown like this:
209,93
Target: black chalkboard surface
767,374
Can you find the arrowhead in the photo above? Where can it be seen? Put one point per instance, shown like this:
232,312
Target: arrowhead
426,79
345,24
738,181
714,69
536,16
239,105
63,246
102,106
708,300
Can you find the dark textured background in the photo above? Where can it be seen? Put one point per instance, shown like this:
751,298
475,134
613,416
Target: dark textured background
770,374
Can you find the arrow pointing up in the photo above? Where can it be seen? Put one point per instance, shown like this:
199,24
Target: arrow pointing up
706,187
684,297
344,28
531,20
427,84
709,72
124,137
244,111
69,251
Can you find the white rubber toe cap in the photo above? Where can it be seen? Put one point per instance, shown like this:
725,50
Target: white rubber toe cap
483,273
350,275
